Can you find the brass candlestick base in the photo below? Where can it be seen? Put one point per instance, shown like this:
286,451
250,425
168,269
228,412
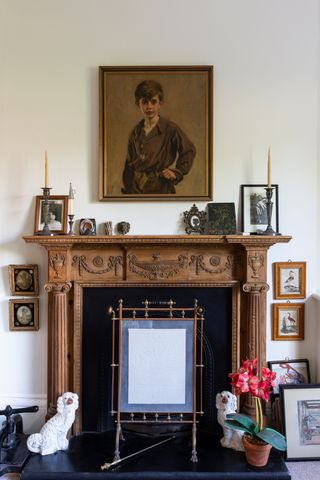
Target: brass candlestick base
46,230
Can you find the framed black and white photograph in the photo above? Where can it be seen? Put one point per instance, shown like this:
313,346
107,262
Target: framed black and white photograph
23,280
288,321
289,372
254,218
300,408
54,213
289,280
24,314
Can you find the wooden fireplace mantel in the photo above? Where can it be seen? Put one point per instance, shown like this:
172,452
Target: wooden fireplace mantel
75,262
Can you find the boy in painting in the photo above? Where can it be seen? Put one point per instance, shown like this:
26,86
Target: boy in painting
159,153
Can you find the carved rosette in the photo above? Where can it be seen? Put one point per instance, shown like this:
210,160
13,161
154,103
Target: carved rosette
157,269
217,264
113,263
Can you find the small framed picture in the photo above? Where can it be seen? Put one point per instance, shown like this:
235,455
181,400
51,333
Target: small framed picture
23,280
24,314
290,372
55,212
300,408
289,280
254,218
221,219
87,226
288,321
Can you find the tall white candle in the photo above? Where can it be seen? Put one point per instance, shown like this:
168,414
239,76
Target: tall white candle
269,169
46,176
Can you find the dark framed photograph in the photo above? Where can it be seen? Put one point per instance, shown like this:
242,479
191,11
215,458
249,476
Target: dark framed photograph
300,408
156,133
54,213
290,372
24,314
23,280
254,218
289,280
288,321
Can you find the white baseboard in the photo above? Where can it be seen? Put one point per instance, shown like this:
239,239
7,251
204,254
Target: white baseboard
32,422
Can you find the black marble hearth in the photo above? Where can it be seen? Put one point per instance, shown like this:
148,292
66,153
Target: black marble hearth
171,461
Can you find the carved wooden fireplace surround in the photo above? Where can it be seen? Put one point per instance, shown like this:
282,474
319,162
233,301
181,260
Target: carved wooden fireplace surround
75,262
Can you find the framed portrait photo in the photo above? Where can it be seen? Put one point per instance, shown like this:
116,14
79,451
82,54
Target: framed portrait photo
288,321
24,314
23,280
55,212
156,133
289,372
300,409
289,280
254,218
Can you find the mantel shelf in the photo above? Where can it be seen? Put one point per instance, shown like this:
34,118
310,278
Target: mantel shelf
69,240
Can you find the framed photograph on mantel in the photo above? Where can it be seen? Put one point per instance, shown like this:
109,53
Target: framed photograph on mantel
288,321
254,218
156,133
290,280
56,214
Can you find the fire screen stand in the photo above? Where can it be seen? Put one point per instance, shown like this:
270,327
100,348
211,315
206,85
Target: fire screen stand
159,365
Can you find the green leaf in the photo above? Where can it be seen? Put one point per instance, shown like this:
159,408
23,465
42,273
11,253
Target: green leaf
240,422
276,439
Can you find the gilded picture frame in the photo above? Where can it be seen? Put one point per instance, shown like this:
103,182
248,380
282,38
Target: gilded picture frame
160,150
58,214
23,280
23,314
289,280
288,321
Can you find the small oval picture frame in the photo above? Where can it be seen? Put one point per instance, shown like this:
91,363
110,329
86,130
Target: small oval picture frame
24,314
23,280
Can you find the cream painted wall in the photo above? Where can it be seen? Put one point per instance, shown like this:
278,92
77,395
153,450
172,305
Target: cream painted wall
265,55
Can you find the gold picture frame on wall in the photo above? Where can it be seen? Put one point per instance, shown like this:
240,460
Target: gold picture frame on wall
288,321
156,130
289,280
23,280
24,314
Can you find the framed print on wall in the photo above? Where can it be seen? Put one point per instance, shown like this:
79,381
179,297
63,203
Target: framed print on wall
254,218
290,280
23,280
155,133
300,406
289,372
288,321
24,314
57,214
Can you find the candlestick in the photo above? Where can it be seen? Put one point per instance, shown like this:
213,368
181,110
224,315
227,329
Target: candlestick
269,169
71,200
46,181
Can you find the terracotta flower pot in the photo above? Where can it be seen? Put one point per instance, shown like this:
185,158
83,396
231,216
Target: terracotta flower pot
257,453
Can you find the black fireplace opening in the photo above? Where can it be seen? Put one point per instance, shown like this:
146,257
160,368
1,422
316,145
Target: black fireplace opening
97,343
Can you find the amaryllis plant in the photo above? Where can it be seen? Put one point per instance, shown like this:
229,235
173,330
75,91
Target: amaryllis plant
247,380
